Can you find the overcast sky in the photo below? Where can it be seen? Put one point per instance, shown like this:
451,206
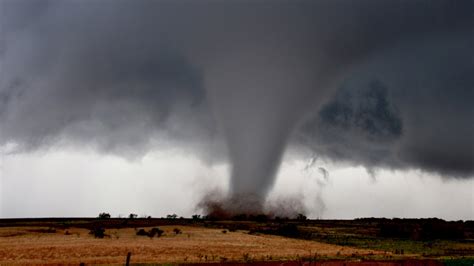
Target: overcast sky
338,109
71,183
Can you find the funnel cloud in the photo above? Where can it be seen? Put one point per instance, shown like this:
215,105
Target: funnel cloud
383,84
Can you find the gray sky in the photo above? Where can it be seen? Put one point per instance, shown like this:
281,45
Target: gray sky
146,106
81,183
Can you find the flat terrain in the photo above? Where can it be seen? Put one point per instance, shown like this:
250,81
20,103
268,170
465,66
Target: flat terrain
195,244
271,242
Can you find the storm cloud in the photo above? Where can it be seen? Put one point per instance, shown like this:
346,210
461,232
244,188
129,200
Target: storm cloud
91,75
376,83
408,108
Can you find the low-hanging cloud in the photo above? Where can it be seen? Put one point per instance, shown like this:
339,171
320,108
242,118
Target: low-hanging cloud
408,108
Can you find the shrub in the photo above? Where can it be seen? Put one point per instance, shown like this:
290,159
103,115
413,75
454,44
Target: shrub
142,232
152,233
98,232
177,231
156,231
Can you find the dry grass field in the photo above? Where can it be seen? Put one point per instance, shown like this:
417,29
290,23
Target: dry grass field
34,245
370,241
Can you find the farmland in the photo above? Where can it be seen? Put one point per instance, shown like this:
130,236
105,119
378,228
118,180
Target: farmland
60,241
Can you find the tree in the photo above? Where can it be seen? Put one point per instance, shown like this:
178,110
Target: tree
104,215
171,216
301,217
132,216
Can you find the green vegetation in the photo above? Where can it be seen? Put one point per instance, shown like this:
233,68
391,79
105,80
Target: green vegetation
459,262
396,246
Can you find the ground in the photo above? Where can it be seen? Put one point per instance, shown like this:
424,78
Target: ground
69,242
26,245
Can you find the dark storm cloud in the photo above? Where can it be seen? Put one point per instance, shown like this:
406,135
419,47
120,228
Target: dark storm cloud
92,74
357,121
410,107
123,74
366,111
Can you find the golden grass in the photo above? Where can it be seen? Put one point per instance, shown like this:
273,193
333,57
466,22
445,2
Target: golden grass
19,245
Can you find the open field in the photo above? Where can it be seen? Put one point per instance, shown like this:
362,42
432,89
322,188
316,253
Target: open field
61,241
195,244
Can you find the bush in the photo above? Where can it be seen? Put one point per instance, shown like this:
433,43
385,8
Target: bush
152,233
142,232
98,232
156,231
177,231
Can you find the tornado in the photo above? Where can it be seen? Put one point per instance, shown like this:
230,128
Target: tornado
120,75
258,112
270,73
261,91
